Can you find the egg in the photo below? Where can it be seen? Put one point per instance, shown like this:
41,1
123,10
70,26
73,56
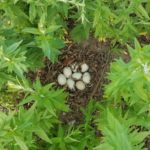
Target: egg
67,72
61,79
71,84
86,77
80,85
74,67
76,75
84,67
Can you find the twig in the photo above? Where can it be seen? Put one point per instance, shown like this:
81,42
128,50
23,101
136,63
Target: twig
100,78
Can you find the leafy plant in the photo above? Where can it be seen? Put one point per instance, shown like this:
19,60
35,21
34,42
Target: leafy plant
65,138
89,139
19,129
24,128
130,81
15,131
120,20
31,30
45,97
13,59
13,62
29,20
120,133
128,93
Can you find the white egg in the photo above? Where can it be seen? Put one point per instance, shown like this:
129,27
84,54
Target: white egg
61,79
76,75
86,77
71,84
74,67
84,67
80,85
67,72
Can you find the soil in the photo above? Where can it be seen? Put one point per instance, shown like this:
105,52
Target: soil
98,56
147,143
144,39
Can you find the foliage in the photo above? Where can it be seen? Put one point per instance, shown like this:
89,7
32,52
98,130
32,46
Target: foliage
32,30
13,61
18,129
65,138
128,92
26,127
46,97
43,24
120,132
130,81
121,20
89,138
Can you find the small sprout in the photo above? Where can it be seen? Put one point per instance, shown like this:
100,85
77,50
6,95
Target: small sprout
61,79
74,67
84,67
67,72
71,84
76,75
86,78
80,85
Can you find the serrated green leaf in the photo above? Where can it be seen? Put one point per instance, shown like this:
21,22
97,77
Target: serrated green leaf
41,134
139,90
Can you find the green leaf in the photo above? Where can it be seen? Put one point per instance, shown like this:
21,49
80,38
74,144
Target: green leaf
51,48
21,143
41,134
52,28
143,12
31,30
25,101
14,46
137,45
50,108
139,90
121,128
15,1
32,12
80,33
5,77
46,49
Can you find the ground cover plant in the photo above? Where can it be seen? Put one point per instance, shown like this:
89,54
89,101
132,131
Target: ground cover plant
41,111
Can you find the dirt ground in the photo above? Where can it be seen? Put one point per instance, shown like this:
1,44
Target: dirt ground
147,143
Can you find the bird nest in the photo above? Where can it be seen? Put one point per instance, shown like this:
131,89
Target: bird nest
98,57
